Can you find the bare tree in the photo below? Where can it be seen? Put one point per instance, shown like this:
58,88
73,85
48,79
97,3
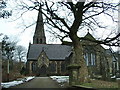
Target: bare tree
20,52
69,17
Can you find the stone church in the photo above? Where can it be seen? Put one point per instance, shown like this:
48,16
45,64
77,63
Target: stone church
46,59
52,59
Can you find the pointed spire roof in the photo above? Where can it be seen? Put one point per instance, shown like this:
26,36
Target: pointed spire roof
39,35
40,25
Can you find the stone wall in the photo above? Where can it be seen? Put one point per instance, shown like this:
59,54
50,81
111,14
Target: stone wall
103,63
43,60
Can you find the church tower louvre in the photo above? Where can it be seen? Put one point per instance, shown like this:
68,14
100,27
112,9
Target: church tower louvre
39,35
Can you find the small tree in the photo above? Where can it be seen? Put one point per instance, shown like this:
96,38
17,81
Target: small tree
24,71
8,48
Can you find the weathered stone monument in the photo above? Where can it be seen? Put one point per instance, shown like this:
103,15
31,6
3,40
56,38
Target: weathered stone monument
73,74
118,81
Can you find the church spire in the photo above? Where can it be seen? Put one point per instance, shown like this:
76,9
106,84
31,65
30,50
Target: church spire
39,35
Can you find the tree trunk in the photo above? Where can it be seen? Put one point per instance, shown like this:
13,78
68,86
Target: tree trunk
79,59
78,75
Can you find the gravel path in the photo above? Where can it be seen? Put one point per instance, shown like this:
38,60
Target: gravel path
39,82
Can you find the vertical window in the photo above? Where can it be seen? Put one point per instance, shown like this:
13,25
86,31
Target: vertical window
43,58
86,58
37,41
117,66
92,59
33,66
63,69
113,59
40,40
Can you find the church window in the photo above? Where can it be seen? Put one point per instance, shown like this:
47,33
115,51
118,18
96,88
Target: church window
114,59
37,40
92,59
63,68
33,66
40,40
86,58
43,59
52,67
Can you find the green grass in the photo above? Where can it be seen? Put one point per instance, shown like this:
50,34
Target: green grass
99,86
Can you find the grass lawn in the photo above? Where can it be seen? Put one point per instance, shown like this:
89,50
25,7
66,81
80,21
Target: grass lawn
102,85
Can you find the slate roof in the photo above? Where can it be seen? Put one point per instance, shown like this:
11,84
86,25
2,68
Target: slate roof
53,51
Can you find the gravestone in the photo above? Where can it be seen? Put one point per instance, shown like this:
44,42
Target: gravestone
118,81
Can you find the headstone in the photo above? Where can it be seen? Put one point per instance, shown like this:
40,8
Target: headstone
118,81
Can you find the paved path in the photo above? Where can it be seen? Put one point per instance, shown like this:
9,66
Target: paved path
39,82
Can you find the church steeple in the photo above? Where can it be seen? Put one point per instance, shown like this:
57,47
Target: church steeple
39,35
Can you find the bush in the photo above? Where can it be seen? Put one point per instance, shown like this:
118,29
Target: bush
24,71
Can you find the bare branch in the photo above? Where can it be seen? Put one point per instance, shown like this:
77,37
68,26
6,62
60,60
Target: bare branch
56,17
55,24
105,42
26,27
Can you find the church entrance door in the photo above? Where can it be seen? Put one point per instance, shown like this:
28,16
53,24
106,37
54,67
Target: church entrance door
43,71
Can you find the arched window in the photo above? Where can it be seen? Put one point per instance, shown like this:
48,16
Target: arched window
40,40
37,40
34,66
52,67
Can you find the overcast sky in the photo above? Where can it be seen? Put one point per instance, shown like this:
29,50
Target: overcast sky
14,29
